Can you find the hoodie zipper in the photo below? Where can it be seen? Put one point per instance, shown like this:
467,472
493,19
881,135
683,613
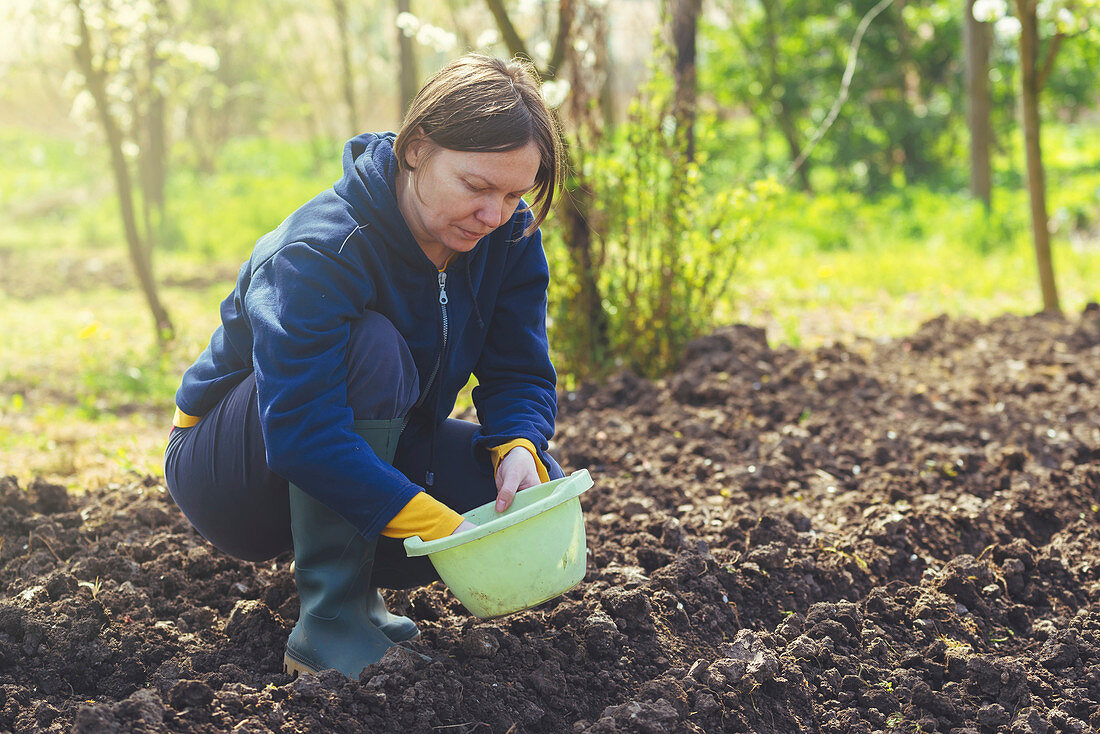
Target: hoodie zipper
443,301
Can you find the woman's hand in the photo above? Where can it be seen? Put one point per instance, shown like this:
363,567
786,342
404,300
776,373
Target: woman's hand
516,471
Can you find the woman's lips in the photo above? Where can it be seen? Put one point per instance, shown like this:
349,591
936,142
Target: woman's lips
470,235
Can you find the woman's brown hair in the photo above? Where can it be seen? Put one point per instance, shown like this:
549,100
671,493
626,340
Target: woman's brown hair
483,104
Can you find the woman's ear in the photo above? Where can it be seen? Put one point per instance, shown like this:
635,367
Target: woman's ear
414,151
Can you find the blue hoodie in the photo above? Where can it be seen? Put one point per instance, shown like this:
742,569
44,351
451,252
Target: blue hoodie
346,251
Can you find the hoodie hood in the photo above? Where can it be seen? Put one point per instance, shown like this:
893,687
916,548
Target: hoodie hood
369,186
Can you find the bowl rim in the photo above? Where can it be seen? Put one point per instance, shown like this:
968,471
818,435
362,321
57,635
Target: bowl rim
567,488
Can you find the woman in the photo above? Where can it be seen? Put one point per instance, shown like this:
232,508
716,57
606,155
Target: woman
316,419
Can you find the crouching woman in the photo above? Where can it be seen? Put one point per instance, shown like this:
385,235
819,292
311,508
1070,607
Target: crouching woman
317,418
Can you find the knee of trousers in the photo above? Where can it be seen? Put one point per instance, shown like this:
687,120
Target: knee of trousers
383,382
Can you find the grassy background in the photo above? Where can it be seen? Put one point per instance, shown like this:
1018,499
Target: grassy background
86,396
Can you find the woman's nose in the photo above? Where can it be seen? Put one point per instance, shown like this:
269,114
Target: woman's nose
491,213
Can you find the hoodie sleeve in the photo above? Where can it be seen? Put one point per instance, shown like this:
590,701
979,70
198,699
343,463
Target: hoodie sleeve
300,304
515,396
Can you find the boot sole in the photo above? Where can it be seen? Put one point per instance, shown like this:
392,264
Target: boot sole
295,668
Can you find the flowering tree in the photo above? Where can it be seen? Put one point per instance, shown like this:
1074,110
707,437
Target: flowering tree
127,64
1040,27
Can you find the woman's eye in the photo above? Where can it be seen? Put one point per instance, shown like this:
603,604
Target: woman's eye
471,187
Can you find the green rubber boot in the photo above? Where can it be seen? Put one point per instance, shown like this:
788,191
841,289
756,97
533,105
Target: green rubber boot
393,626
332,569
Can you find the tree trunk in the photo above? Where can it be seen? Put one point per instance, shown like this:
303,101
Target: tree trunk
1036,180
606,64
152,149
977,40
139,256
408,74
592,323
508,32
341,9
685,21
776,91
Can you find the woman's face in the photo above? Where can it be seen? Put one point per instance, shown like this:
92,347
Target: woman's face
455,198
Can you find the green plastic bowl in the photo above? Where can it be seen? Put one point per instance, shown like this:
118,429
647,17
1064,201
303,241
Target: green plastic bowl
530,553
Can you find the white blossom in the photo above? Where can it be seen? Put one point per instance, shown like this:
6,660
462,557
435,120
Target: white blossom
487,38
408,23
134,15
436,38
1007,28
73,83
989,10
205,57
554,92
83,106
542,51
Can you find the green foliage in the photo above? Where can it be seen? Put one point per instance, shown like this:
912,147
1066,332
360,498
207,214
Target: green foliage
783,61
259,182
904,120
667,250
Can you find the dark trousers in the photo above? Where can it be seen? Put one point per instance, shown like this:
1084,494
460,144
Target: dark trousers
217,470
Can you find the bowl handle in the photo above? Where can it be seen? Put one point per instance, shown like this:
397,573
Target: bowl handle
574,485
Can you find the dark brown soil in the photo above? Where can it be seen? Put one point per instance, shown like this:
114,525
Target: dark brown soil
882,537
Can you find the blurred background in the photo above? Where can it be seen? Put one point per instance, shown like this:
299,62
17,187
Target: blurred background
829,171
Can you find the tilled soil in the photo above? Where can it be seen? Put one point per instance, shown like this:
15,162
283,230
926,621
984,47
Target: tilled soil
878,537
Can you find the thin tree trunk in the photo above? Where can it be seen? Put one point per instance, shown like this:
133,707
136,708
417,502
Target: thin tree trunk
341,9
977,39
685,21
508,31
606,65
149,129
464,40
409,75
592,322
774,84
516,45
1036,180
908,78
139,255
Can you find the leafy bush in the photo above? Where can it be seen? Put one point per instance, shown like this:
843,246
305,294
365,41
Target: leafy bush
665,250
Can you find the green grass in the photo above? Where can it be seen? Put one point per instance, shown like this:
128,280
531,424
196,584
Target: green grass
83,384
838,264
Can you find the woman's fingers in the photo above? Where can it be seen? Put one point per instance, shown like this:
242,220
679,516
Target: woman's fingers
516,471
505,495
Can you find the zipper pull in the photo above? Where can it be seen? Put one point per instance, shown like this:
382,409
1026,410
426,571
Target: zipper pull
443,289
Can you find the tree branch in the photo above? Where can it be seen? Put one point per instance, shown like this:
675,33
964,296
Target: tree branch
845,84
1048,62
566,13
515,44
